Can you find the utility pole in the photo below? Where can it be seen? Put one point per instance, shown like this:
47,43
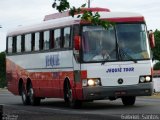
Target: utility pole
89,2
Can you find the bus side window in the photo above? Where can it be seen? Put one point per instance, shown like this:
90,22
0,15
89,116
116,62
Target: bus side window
67,37
18,46
57,38
46,38
28,42
9,45
37,41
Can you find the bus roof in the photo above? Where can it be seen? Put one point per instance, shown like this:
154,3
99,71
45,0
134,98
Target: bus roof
68,20
66,14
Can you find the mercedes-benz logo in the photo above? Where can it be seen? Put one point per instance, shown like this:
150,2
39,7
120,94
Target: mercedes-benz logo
120,81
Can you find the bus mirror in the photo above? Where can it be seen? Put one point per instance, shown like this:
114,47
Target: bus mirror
77,42
151,39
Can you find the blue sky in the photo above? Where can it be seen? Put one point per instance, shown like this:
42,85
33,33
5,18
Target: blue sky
14,13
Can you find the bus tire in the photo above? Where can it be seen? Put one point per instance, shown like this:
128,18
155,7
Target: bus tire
68,97
24,96
35,101
128,100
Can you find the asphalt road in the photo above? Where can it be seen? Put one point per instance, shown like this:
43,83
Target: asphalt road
55,109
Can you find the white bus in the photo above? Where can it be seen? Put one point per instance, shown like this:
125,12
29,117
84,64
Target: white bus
65,57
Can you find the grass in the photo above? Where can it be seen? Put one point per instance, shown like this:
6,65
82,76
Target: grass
156,95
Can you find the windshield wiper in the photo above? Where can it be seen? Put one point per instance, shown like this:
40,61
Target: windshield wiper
105,60
122,52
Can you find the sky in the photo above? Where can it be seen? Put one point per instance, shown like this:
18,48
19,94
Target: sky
14,13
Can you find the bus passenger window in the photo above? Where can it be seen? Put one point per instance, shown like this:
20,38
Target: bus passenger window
57,38
28,42
37,39
10,43
46,40
67,37
18,43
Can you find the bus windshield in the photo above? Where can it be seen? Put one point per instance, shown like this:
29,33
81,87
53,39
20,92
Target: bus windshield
121,42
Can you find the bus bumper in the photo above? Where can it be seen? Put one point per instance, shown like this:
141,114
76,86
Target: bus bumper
105,92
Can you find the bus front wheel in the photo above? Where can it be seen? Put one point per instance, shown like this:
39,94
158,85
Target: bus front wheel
33,100
128,100
68,97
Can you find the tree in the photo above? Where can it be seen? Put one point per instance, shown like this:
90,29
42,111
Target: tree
94,18
157,66
156,49
3,82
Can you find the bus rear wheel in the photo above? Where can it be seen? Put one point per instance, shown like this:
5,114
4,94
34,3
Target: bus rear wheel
128,100
33,100
68,97
24,96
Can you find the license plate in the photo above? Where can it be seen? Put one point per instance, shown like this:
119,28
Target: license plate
120,93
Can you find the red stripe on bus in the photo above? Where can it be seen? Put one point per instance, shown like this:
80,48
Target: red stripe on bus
126,19
45,84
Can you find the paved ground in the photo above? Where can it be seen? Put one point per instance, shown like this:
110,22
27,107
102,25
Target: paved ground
55,109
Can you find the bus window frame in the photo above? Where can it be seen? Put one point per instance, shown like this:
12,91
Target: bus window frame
14,43
41,46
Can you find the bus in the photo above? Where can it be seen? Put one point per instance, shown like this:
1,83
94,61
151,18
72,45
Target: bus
58,58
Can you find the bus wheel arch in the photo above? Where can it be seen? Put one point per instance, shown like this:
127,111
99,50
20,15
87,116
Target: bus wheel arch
23,92
28,83
32,98
68,95
66,82
20,85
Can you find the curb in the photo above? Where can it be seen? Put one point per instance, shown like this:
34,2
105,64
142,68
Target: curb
3,89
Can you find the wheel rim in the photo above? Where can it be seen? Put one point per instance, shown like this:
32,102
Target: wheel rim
23,95
69,93
31,94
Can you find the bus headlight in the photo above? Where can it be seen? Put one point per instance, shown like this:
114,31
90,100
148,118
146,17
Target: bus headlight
148,78
91,82
144,79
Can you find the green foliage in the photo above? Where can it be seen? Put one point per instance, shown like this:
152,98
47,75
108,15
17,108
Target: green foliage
156,66
62,5
156,50
3,82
